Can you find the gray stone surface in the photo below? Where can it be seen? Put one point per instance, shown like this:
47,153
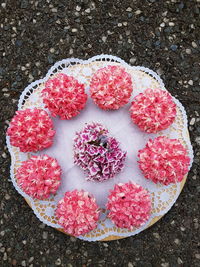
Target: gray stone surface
161,35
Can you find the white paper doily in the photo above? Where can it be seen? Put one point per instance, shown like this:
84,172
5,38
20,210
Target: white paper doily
120,126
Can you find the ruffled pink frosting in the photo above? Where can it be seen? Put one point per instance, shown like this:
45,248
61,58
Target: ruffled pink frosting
129,205
164,160
31,130
64,96
77,212
153,111
111,87
39,176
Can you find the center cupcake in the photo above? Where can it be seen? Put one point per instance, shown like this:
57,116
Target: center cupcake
97,153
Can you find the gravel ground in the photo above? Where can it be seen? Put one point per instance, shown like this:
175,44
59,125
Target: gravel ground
161,35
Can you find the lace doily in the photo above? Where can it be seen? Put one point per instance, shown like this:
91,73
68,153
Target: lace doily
120,126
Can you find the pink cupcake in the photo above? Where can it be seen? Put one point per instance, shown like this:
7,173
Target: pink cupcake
111,87
39,176
31,130
64,96
153,110
77,212
164,160
129,205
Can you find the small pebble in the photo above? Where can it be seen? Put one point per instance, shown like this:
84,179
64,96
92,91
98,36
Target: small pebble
24,4
5,257
192,121
104,38
2,233
188,51
42,226
173,47
7,197
177,241
198,129
78,8
68,252
45,235
37,64
4,154
197,140
194,45
31,259
132,60
58,262
190,82
194,177
2,250
6,95
197,256
179,261
73,239
52,50
138,12
159,71
156,235
130,15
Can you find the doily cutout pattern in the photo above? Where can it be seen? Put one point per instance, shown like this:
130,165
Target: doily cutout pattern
163,197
